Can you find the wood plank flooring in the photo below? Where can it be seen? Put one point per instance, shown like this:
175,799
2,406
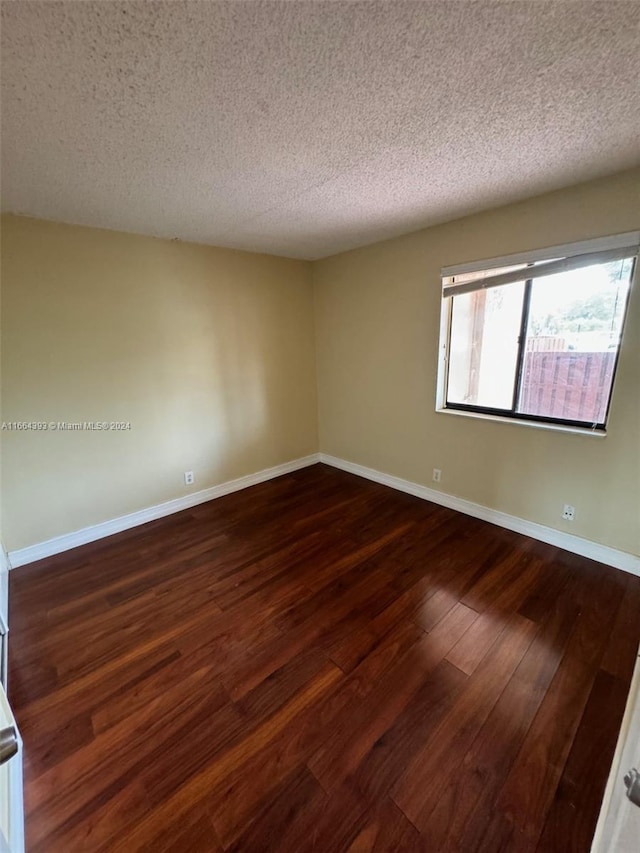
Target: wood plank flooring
318,663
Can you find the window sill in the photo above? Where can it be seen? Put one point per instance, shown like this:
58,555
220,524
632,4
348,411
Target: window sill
599,433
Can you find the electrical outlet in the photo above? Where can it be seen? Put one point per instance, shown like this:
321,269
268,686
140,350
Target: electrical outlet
569,512
437,475
188,478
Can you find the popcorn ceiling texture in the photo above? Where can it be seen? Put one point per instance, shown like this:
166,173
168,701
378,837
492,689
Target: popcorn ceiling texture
308,128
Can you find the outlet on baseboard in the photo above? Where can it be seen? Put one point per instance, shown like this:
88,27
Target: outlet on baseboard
437,475
188,478
568,512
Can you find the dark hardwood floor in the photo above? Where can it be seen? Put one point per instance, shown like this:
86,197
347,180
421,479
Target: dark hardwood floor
318,663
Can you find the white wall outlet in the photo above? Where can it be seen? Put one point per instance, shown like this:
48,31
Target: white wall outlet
437,475
188,478
569,512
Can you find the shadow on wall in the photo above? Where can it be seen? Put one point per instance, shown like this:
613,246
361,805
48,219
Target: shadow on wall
207,353
222,417
217,379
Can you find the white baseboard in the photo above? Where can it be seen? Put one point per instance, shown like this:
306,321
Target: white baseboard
576,544
98,531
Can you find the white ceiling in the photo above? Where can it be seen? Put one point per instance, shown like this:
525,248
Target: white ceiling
307,128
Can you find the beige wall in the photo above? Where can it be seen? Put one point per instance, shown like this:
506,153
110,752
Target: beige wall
209,353
377,327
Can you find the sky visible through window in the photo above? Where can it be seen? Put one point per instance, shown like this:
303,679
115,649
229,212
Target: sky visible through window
562,367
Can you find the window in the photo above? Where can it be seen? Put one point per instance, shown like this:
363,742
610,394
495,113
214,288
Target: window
536,338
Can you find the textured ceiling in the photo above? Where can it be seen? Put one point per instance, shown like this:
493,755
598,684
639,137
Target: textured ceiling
307,128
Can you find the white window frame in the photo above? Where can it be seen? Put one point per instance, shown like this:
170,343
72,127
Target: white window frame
565,250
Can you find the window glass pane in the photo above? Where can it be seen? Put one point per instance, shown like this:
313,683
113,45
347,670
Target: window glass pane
483,349
573,334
